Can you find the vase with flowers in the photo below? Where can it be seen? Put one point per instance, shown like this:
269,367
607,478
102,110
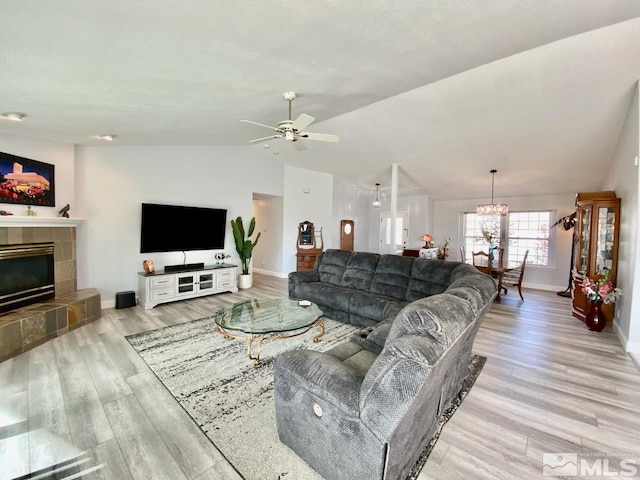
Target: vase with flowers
599,291
443,250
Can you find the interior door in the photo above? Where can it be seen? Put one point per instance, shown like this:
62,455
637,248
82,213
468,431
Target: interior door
402,231
346,235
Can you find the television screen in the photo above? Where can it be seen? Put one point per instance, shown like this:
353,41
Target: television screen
173,228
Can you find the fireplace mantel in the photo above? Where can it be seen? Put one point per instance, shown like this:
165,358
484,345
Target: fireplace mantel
23,221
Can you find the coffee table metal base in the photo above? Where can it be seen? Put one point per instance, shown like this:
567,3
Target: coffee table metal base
260,338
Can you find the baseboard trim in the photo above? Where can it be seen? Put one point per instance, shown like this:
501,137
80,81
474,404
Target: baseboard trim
271,273
110,303
541,286
630,347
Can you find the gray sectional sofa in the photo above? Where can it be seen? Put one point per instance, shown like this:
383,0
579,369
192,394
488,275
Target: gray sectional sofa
367,408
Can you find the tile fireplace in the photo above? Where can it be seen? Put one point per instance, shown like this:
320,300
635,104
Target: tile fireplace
38,257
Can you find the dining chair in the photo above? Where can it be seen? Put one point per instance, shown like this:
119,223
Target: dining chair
482,261
463,255
514,276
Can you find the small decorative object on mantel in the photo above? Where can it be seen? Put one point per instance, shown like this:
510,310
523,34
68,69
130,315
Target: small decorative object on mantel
148,266
31,212
4,213
221,257
64,211
428,241
599,291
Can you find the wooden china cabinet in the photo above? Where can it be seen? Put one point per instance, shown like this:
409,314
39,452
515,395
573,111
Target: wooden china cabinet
596,245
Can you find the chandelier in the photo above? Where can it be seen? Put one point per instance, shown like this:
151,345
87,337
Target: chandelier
377,203
492,208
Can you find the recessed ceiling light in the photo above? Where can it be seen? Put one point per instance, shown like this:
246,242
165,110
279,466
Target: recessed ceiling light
14,116
108,138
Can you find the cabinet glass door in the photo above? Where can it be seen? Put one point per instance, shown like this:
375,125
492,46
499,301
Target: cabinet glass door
206,281
605,239
585,226
186,284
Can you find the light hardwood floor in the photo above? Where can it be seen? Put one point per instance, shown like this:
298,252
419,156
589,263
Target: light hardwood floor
549,385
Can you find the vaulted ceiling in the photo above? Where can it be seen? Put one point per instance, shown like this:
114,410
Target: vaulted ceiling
537,89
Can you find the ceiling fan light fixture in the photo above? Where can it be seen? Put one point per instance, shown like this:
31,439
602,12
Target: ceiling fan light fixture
14,116
377,203
294,130
492,208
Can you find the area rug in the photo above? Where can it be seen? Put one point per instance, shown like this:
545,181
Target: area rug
232,401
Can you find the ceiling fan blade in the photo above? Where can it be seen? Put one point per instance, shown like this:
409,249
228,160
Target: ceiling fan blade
302,122
299,146
275,129
323,137
266,138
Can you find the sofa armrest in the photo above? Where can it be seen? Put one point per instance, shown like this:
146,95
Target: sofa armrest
321,375
303,276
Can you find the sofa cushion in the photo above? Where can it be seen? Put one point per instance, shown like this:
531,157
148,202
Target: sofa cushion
374,307
392,276
332,296
331,265
359,271
429,277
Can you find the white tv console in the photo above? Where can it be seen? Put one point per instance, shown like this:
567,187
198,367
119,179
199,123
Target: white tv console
162,287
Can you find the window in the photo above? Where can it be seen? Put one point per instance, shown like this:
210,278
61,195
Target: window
478,230
516,233
529,231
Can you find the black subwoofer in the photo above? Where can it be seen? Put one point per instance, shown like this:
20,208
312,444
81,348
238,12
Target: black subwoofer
126,299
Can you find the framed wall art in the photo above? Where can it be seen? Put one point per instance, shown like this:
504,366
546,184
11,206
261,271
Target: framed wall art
26,182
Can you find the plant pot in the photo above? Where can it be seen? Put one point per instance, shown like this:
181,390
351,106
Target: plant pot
245,281
595,319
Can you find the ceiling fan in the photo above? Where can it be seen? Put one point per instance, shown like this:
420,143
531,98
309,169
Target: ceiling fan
292,130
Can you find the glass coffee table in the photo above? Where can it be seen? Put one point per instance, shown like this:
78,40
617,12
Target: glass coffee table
271,319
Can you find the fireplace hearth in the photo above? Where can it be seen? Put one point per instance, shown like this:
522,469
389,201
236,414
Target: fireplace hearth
26,274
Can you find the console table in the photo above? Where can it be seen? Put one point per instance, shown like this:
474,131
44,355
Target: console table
162,287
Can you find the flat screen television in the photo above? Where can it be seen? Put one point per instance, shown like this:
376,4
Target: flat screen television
174,228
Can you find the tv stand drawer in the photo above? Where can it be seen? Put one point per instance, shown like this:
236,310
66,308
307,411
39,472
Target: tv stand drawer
162,282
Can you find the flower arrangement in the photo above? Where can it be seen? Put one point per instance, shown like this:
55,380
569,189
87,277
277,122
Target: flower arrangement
428,240
601,290
443,250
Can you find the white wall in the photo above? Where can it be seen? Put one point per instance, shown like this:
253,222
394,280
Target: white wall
307,196
267,254
420,209
59,154
447,223
112,182
624,178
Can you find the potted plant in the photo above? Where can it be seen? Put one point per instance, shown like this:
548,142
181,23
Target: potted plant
244,247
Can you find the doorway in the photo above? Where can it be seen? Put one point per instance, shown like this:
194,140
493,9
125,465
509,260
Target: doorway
401,231
346,235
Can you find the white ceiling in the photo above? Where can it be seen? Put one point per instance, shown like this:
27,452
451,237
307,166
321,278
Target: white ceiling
537,89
